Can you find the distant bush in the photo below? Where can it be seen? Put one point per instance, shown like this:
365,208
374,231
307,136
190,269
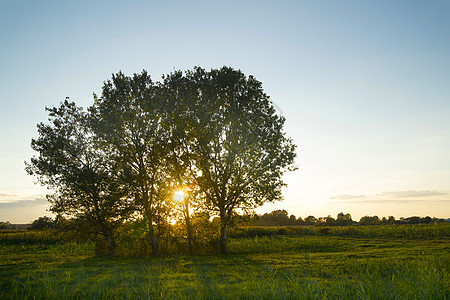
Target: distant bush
370,220
132,239
42,223
4,225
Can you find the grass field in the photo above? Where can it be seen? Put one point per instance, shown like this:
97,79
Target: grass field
286,265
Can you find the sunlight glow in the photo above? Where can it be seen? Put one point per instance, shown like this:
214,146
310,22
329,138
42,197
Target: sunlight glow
178,195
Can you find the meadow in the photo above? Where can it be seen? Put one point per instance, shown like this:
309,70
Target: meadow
356,262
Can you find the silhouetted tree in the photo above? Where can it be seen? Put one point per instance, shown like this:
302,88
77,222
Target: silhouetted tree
330,221
280,217
217,131
370,220
310,220
300,221
391,220
413,220
4,225
274,218
344,219
83,176
42,223
426,220
292,220
238,148
129,118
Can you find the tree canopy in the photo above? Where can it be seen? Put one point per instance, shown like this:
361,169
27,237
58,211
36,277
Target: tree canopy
238,148
214,132
85,179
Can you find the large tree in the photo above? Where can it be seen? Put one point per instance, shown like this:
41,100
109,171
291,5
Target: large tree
237,149
85,180
130,118
216,132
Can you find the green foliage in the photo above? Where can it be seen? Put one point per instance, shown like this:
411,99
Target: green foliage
215,132
310,220
129,119
238,150
82,173
42,223
370,220
278,217
132,238
344,219
4,225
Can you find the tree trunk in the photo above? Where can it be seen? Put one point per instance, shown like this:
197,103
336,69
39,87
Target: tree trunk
188,227
152,235
110,246
223,233
147,202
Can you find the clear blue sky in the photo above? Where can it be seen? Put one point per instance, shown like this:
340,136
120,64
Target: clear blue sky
364,86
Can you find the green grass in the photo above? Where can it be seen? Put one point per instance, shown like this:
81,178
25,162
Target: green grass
23,237
419,231
263,267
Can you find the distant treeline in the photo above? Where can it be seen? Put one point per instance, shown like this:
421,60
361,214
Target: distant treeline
281,217
278,217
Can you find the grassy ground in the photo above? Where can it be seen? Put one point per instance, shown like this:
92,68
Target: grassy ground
267,267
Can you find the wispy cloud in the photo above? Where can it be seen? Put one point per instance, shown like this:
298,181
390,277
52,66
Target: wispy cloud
347,197
24,203
411,194
7,196
393,201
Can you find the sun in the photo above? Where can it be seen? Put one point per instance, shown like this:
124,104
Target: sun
178,195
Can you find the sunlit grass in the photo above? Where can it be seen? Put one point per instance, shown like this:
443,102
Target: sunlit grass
419,231
261,267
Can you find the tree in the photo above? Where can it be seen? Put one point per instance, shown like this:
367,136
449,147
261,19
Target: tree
129,117
310,220
370,220
300,221
4,225
344,219
41,223
330,221
292,220
238,150
413,220
85,180
279,217
426,220
391,220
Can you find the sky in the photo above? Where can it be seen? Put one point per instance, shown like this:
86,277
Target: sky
364,87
